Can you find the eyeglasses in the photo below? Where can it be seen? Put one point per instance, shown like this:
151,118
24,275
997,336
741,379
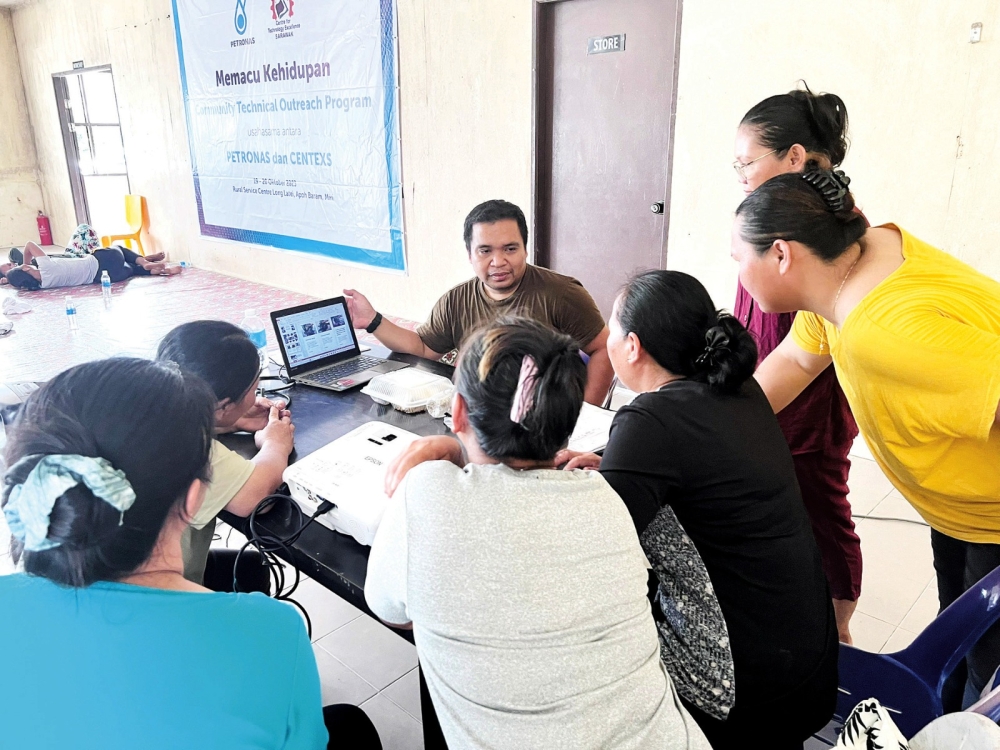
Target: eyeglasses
741,169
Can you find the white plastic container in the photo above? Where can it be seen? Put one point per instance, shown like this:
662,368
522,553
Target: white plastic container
408,390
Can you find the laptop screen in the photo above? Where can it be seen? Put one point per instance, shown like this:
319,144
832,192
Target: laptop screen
312,335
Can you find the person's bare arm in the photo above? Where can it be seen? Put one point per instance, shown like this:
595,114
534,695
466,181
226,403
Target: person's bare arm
570,460
600,373
432,448
32,251
400,339
392,336
786,372
397,625
268,465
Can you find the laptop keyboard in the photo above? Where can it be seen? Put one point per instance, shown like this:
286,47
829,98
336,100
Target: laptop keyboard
345,369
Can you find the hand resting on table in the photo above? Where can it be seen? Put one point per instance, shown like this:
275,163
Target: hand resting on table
569,460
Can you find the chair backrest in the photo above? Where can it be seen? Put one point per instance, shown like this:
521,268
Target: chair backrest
936,652
909,682
910,701
135,211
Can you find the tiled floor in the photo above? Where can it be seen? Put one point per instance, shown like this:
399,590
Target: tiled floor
142,310
361,661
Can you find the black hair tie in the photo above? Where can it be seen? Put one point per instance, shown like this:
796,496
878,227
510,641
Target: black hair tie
832,185
716,342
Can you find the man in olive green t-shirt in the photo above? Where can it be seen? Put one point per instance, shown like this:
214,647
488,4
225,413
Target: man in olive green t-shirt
496,235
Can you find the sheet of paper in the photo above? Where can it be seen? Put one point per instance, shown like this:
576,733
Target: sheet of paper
592,428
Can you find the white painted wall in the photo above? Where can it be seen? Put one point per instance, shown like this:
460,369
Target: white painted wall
20,195
913,85
465,118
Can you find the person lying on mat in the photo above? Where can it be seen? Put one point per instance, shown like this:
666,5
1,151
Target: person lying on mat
525,585
83,242
496,236
39,271
107,462
223,356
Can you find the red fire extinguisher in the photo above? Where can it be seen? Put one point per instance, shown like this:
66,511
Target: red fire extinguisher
44,229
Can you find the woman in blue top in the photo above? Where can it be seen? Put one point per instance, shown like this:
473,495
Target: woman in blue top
105,643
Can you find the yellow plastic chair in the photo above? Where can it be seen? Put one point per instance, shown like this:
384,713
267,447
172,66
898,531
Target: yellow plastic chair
137,219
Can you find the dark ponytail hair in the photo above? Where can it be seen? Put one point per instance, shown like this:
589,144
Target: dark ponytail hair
151,421
489,369
817,122
674,318
220,353
814,208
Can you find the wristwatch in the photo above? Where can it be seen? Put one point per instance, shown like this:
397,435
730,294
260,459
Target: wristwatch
376,322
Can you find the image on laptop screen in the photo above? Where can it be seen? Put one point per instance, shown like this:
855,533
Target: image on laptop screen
314,334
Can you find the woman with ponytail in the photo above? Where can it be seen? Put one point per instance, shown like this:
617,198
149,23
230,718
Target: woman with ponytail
914,336
700,446
525,585
783,134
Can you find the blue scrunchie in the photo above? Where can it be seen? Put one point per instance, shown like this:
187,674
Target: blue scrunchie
30,503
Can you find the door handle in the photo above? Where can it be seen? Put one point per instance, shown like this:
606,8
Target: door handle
657,208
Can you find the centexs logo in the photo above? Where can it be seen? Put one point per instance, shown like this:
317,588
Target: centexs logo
282,9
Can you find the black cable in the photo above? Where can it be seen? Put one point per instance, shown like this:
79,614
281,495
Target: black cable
285,380
268,544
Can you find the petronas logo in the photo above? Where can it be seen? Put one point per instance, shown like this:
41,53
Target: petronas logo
240,19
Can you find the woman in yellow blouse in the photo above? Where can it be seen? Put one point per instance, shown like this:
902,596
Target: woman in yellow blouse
914,335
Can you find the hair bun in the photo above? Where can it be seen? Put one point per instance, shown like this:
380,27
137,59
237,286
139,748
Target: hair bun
716,343
832,185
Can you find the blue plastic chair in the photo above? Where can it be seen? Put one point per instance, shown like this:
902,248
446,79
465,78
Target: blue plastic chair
909,682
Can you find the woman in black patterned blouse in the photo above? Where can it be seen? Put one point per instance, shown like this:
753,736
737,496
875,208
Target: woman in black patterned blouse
701,446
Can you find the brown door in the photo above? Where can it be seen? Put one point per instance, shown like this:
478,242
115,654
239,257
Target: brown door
604,121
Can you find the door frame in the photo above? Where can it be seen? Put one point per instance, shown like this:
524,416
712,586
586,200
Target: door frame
77,185
541,132
72,153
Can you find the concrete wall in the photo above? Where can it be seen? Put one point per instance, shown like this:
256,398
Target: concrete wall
912,82
465,118
20,195
913,85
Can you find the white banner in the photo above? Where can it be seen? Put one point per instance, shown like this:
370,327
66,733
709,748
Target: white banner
291,111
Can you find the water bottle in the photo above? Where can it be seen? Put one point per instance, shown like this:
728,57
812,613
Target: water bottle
106,288
71,313
254,327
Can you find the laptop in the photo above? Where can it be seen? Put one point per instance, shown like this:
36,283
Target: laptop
319,347
350,473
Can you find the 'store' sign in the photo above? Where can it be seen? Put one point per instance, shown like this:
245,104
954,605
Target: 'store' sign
600,44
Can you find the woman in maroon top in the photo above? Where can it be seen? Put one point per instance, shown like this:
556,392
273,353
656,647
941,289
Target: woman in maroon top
782,134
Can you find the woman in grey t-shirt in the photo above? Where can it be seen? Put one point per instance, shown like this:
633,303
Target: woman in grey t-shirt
525,585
